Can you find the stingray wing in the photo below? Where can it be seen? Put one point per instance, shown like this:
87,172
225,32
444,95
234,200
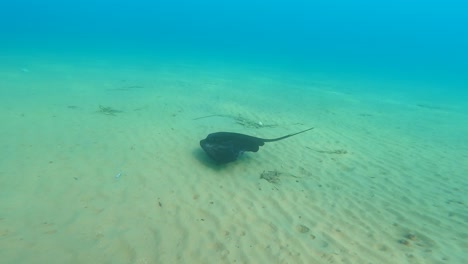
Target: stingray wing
225,147
221,153
237,141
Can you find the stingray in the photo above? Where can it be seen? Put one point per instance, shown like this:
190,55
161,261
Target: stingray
224,147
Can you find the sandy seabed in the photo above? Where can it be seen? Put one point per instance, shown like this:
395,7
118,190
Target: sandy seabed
102,165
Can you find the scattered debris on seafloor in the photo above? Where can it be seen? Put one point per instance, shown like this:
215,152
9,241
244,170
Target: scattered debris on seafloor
241,120
106,110
271,176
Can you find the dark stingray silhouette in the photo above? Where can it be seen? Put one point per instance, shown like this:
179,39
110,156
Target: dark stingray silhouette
224,147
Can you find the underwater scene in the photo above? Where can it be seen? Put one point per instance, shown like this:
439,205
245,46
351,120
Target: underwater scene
233,131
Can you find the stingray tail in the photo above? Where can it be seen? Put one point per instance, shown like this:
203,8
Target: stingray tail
290,135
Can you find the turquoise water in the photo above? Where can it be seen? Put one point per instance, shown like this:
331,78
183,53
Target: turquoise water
417,41
424,39
381,178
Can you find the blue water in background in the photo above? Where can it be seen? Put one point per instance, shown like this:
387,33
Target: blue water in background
425,39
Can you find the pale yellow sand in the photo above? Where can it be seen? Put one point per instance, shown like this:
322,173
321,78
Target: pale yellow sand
377,180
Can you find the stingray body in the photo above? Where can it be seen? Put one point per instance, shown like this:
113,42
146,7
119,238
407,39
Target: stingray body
224,147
